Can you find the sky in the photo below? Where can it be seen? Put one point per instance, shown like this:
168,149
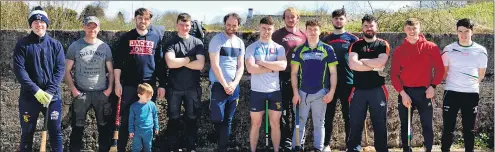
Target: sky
212,11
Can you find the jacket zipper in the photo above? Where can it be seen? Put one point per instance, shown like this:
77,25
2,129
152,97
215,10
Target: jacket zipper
42,62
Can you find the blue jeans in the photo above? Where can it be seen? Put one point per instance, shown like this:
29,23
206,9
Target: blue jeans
29,109
222,108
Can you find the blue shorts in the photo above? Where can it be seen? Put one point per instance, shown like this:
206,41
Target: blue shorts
259,99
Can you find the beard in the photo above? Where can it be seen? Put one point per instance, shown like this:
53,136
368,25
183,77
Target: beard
230,32
337,28
290,25
370,35
141,26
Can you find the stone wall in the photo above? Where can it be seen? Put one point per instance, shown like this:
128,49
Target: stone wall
10,128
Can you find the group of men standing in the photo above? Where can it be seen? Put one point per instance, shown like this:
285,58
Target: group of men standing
290,69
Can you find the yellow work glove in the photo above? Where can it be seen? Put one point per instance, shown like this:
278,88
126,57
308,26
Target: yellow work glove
43,97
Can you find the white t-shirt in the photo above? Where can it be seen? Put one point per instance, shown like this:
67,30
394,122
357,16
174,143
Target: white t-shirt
464,63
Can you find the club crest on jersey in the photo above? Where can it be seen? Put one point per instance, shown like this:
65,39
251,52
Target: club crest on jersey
26,117
368,50
272,51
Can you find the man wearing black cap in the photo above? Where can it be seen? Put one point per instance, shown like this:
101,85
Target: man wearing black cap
39,67
90,87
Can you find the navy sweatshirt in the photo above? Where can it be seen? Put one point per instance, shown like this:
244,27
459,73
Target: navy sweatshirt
140,58
39,63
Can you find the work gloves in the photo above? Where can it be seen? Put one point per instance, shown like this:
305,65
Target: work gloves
43,97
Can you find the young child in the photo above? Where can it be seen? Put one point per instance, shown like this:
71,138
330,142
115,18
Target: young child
143,119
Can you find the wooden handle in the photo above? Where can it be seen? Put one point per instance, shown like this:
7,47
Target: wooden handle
117,125
116,135
113,149
297,137
365,133
43,142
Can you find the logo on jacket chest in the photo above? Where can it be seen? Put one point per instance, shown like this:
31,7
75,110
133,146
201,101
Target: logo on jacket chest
141,47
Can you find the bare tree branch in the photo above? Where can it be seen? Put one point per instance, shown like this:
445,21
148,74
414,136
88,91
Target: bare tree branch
372,12
384,11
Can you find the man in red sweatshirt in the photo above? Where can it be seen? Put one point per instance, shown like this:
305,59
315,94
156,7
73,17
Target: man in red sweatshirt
411,75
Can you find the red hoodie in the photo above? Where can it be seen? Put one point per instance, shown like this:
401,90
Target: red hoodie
412,65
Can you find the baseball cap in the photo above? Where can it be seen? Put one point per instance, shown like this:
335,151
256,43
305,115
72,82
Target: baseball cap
91,19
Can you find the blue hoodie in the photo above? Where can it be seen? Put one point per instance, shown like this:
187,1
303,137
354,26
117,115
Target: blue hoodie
39,63
140,58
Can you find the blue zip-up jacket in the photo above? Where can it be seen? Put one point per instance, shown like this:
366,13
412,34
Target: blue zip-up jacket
140,58
39,63
143,116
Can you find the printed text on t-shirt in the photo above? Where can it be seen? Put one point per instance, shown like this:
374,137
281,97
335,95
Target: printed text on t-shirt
141,47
